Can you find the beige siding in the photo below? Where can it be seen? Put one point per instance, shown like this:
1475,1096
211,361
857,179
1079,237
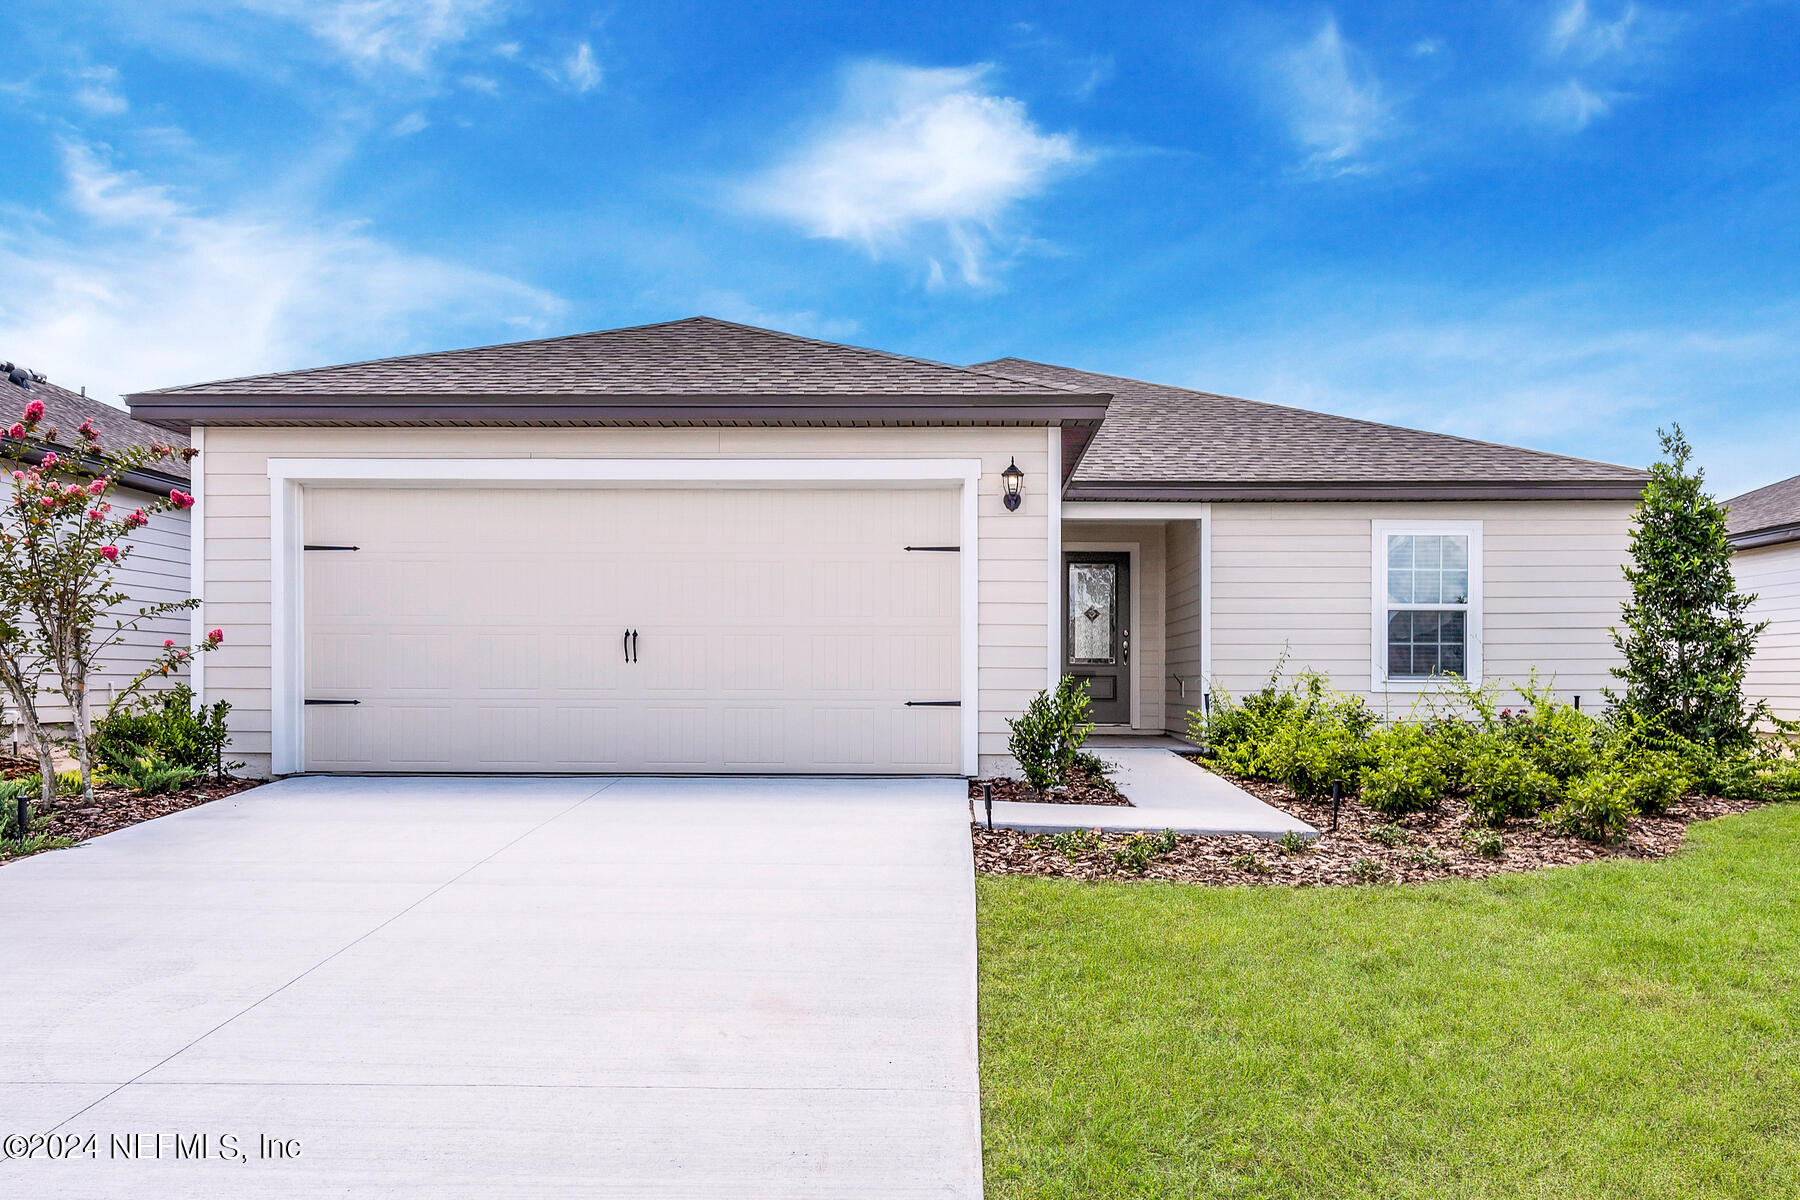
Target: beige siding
1148,643
1012,586
1298,575
1773,575
1185,624
156,572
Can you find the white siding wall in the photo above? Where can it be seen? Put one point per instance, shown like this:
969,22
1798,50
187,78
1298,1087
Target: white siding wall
1299,575
1184,602
1013,583
1773,574
156,572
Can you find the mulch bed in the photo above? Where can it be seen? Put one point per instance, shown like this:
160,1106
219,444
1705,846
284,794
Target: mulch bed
1434,847
1084,788
115,808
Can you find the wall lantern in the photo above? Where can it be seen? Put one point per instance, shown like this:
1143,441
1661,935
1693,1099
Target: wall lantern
1013,478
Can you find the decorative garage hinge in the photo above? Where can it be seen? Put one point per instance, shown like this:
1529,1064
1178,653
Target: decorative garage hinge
312,701
934,704
331,547
936,549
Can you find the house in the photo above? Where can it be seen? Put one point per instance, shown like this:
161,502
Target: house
702,547
1764,527
156,571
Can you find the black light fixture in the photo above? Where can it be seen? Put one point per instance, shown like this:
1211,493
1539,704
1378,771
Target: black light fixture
1013,478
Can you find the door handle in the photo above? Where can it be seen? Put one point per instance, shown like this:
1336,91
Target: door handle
1125,646
625,644
634,656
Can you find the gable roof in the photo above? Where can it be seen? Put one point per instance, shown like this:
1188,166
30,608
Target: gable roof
1169,443
1765,517
65,411
697,370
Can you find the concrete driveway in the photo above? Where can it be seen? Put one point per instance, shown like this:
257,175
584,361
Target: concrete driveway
502,987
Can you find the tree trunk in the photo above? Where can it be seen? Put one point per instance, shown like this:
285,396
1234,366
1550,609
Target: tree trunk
40,739
75,692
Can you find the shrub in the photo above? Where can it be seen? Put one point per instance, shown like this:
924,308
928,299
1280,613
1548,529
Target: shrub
1076,843
167,725
1404,774
1485,842
1048,735
1598,807
1502,782
1366,870
10,791
1558,738
1303,735
1423,856
1250,863
1293,845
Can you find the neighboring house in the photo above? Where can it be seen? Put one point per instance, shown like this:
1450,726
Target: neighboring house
1765,532
698,546
156,572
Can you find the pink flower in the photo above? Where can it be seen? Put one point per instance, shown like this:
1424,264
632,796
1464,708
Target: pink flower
216,636
18,474
87,431
17,430
50,460
109,553
97,487
95,514
137,518
180,499
73,489
48,502
168,643
34,412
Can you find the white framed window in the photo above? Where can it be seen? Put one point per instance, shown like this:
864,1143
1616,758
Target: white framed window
1426,622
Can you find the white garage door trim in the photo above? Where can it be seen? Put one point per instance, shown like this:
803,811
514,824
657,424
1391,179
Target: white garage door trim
287,476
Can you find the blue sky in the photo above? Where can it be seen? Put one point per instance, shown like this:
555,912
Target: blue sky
1558,223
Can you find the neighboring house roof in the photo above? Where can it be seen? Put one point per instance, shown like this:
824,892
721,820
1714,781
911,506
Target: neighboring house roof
65,411
1169,443
1766,516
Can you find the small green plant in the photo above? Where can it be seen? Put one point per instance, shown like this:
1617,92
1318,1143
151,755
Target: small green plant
1098,771
1141,849
1484,842
1076,843
1048,735
1366,870
170,726
1389,834
148,775
1503,782
1405,775
1423,856
1250,863
1292,844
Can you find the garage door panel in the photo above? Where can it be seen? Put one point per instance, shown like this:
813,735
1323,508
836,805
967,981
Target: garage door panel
778,630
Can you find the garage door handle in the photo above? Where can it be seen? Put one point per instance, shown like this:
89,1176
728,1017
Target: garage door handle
625,645
934,704
634,656
334,701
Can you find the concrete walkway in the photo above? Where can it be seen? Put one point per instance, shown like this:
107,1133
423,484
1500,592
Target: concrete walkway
1166,792
519,987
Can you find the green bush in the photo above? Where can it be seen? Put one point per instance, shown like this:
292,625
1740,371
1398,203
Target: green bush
168,726
1076,843
1559,739
1303,735
1598,807
10,791
1405,774
1502,782
1389,834
1293,845
1141,849
1048,735
1485,842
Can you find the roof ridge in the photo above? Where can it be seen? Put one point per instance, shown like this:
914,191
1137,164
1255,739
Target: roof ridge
1363,421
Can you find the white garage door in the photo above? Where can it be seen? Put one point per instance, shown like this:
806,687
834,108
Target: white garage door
641,629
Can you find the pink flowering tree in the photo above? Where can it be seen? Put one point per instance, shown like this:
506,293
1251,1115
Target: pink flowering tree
62,542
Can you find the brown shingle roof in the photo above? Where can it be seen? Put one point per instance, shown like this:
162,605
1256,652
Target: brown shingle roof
697,356
1161,442
1767,515
66,410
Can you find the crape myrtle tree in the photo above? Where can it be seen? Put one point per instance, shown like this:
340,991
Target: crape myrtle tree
1684,638
62,542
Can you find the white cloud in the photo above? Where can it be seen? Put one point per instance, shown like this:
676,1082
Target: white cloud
1333,102
1573,106
921,159
413,122
1575,32
581,71
133,287
97,91
372,34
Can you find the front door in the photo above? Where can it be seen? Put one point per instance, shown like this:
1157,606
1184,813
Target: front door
1097,630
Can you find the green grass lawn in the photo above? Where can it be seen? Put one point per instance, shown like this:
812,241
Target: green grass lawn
1621,1029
